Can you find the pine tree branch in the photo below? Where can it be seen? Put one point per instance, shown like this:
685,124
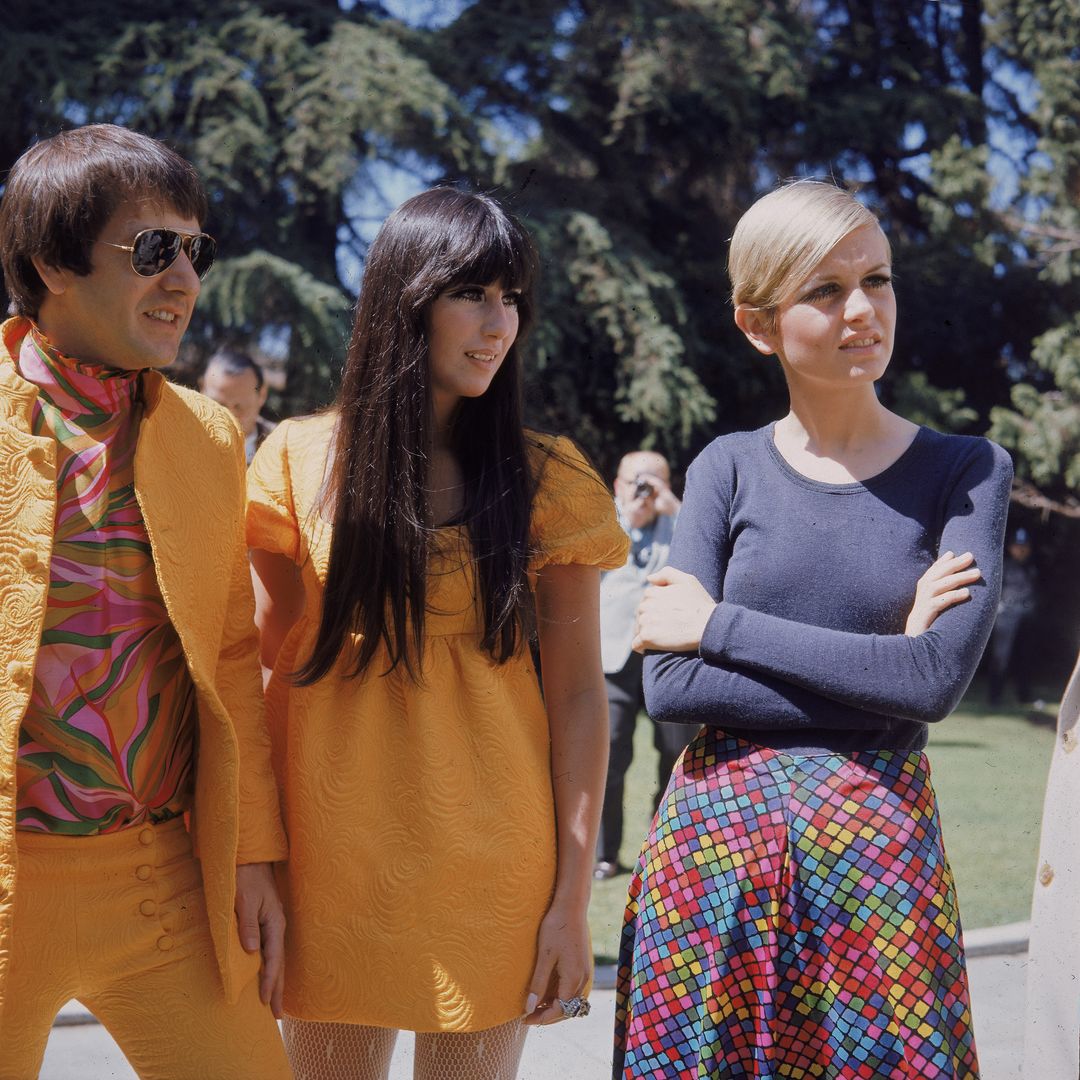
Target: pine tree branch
1070,238
1027,495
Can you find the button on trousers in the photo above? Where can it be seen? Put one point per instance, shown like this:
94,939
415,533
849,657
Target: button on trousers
118,922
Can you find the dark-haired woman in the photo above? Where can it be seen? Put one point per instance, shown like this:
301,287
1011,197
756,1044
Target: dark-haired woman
441,818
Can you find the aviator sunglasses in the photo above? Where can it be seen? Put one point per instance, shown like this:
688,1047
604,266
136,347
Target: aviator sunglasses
153,251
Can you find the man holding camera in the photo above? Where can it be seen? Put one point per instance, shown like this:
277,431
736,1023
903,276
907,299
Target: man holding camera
647,509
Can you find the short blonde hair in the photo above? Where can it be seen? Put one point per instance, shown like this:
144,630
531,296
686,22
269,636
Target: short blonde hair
781,239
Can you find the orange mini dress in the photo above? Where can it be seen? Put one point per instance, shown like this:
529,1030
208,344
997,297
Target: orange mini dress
420,814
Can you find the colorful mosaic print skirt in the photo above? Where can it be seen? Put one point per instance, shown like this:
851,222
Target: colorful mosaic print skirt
793,915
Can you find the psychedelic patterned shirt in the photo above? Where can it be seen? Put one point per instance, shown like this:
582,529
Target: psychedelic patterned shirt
107,740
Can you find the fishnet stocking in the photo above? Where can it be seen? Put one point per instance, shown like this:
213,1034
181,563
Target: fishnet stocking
492,1054
319,1051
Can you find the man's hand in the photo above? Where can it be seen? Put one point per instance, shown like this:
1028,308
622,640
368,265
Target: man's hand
641,510
260,921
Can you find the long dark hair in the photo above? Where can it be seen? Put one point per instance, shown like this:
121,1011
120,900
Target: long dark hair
375,493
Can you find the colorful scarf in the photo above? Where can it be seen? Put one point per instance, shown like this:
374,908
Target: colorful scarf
107,740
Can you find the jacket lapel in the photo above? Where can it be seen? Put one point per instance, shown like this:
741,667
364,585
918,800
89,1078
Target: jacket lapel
184,519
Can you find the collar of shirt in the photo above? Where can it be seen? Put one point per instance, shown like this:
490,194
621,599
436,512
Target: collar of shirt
73,387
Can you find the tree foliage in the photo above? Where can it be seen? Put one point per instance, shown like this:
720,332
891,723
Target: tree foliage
280,106
630,136
1041,422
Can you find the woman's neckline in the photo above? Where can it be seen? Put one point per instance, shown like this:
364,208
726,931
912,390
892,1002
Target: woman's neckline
851,486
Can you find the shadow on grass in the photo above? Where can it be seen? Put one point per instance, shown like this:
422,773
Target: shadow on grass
1038,718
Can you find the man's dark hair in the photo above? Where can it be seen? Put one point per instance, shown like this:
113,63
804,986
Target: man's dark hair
234,362
62,192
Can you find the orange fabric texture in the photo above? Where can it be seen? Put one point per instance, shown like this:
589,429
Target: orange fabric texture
420,817
118,922
189,482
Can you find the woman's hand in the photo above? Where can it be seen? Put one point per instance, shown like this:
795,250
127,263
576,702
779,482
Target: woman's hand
673,612
943,585
563,963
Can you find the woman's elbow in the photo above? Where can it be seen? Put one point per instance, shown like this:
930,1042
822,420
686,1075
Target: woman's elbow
661,706
937,700
665,701
936,680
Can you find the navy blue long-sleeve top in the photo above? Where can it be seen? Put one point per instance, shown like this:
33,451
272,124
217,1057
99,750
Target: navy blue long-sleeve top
806,647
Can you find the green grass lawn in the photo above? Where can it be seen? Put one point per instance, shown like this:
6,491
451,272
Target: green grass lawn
989,767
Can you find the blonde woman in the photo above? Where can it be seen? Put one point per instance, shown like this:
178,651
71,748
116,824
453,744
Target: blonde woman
833,581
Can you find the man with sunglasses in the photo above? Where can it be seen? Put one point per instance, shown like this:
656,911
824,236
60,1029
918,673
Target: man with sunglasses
138,814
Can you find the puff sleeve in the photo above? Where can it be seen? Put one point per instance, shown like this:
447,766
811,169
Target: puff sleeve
272,523
573,518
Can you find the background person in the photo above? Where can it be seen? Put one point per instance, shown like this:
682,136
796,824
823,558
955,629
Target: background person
793,912
129,675
1006,657
234,380
647,510
441,814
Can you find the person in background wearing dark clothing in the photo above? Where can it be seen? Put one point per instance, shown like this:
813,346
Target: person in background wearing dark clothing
647,511
1018,584
234,380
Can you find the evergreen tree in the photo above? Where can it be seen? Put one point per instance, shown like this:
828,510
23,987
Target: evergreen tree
280,106
651,125
1041,423
630,136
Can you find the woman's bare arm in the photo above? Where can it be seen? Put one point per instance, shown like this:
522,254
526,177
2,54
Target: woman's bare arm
568,619
279,602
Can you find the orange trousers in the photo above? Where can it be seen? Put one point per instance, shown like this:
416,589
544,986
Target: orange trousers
118,922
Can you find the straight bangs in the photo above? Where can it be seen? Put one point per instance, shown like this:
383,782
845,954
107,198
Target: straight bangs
176,187
84,175
484,245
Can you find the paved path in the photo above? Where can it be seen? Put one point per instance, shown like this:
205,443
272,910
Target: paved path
997,1003
581,1049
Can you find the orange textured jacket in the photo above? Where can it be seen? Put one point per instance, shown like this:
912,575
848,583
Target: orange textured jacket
189,481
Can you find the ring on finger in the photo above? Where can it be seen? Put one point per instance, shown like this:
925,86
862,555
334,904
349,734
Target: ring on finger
574,1007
